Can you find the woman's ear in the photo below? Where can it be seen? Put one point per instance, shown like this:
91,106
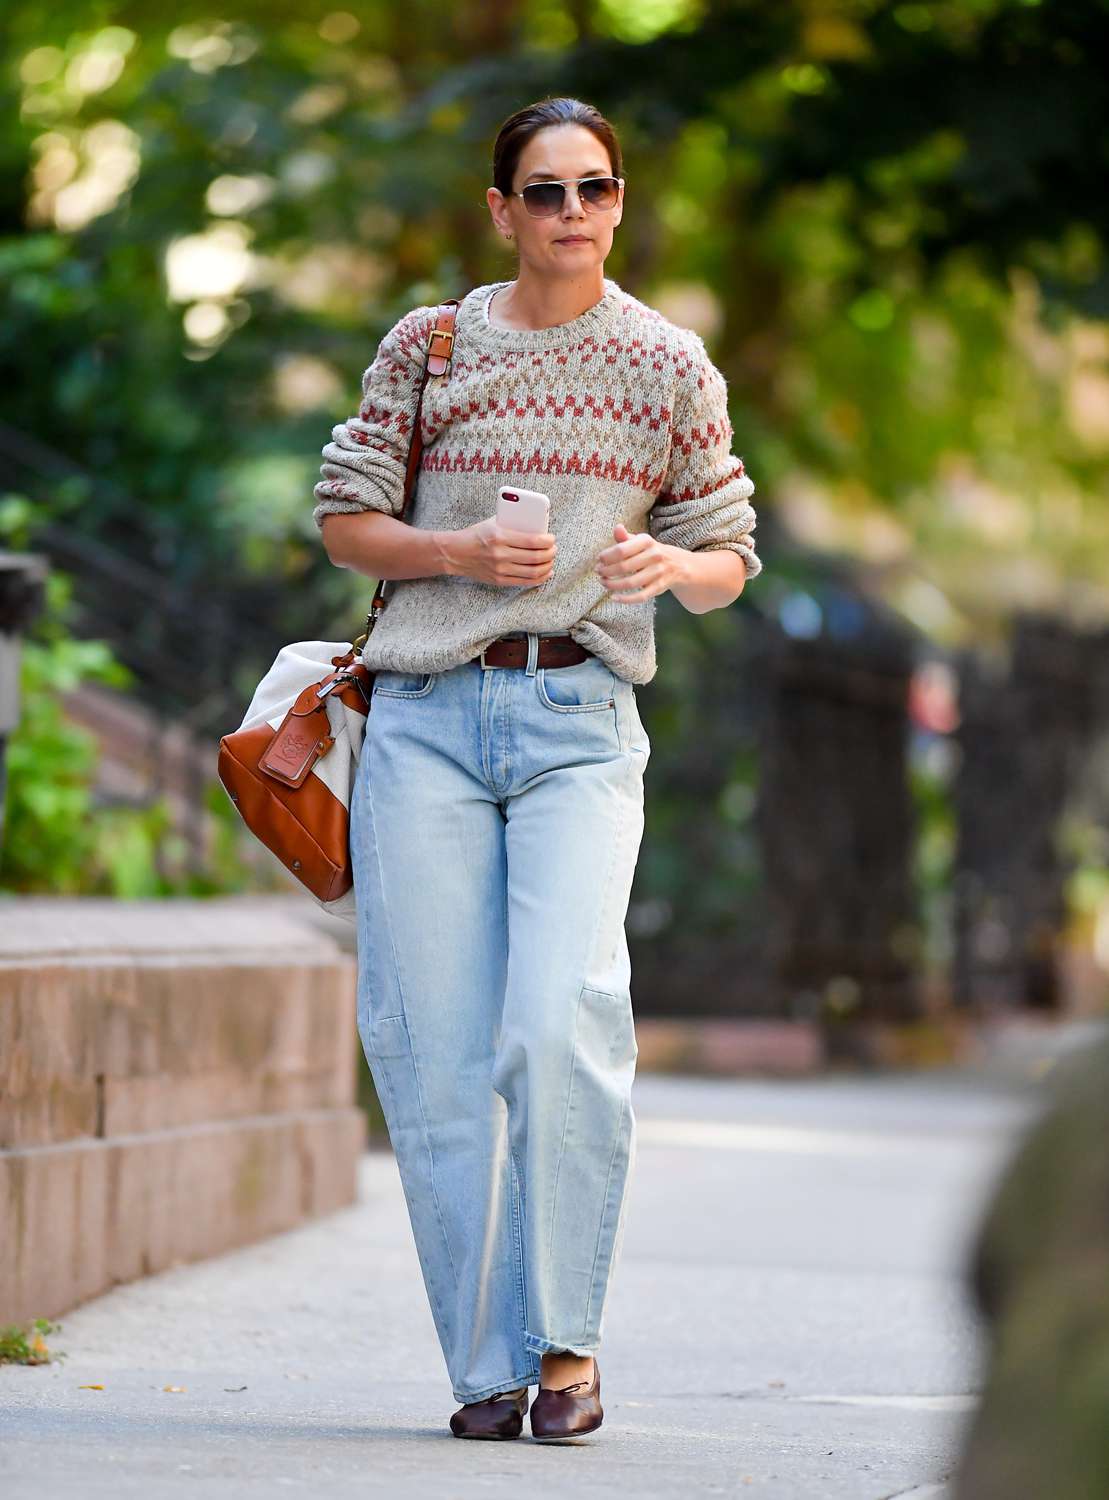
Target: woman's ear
498,208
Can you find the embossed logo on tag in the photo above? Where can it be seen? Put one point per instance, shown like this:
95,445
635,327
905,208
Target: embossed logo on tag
293,747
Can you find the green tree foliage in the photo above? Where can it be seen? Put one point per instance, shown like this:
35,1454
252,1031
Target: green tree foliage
55,841
886,217
59,837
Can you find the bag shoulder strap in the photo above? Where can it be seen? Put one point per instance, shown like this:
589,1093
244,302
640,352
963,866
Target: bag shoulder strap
440,349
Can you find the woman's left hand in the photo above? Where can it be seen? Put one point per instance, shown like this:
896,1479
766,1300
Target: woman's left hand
638,566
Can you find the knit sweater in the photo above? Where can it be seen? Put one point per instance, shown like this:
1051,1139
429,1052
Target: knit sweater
618,415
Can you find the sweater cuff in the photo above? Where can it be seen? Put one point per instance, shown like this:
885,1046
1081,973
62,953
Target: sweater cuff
745,549
722,514
337,499
360,471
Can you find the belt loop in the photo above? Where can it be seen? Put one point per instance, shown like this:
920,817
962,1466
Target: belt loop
533,652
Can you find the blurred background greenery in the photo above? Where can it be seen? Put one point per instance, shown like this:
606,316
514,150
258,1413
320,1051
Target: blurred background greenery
888,221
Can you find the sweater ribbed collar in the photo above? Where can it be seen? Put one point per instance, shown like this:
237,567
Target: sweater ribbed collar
476,331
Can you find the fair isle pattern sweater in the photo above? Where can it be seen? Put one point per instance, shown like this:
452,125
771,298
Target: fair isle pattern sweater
617,415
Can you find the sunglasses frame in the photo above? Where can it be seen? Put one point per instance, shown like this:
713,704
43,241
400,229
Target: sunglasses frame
564,183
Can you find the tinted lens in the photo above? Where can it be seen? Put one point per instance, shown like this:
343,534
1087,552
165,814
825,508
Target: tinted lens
599,192
543,198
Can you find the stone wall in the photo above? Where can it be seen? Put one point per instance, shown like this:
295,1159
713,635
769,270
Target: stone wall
176,1079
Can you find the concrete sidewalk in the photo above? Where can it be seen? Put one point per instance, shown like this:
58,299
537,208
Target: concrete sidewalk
788,1322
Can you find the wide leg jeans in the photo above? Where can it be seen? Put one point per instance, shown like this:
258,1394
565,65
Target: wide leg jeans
496,821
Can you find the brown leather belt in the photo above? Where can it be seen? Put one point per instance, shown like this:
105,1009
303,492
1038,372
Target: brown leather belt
512,651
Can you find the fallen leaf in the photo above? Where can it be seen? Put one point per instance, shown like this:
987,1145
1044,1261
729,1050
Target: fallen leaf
90,1387
175,1388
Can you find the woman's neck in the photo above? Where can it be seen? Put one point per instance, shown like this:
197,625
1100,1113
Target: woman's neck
532,302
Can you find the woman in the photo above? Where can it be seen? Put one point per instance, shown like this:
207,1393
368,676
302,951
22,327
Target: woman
498,810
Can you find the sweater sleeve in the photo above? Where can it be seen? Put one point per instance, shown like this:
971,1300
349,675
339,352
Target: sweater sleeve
703,504
365,463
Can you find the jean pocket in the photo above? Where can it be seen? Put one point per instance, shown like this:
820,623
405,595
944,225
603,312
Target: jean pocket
581,687
641,740
606,1030
395,684
387,1036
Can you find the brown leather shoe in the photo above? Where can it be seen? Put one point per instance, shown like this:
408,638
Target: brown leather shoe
558,1415
498,1416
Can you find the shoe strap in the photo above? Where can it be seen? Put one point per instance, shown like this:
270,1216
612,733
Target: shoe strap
564,1390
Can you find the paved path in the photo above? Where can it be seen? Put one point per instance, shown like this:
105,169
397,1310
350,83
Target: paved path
788,1322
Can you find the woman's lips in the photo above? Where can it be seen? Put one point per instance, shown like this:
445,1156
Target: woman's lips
574,239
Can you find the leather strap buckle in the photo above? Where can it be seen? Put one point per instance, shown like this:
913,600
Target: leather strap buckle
438,356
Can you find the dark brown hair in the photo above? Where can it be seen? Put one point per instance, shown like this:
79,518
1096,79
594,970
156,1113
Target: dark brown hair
519,128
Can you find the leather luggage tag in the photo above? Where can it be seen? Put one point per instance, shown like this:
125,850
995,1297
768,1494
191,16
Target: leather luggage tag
299,740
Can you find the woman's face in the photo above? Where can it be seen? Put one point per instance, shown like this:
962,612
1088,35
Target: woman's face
577,239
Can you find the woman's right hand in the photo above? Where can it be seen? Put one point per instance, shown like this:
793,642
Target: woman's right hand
491,553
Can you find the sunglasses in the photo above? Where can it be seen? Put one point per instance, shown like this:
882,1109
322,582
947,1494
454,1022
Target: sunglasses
542,199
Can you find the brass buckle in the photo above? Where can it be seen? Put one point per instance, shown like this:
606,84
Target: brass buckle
441,333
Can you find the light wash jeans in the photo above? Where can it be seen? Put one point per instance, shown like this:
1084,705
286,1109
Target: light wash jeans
496,821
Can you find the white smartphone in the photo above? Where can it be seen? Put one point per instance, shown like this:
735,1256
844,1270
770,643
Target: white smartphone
523,510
